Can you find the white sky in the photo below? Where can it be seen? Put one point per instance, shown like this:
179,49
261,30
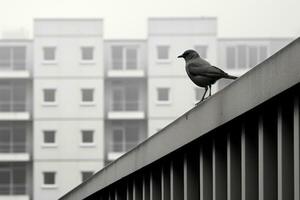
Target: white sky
128,18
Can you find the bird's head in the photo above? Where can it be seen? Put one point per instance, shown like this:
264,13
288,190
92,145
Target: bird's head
189,54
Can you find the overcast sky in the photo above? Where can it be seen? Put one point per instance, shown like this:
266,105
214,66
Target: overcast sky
128,18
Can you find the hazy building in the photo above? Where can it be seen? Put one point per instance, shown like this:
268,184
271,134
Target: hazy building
16,135
68,104
71,101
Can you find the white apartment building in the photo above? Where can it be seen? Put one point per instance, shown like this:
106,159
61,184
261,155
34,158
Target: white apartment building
71,101
68,104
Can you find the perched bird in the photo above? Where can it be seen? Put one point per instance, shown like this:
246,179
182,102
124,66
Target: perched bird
201,72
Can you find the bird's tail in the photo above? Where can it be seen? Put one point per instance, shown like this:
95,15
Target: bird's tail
231,77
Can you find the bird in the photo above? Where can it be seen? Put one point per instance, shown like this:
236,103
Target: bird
201,72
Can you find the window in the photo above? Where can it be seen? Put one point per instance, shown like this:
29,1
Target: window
87,95
49,95
202,50
12,179
245,56
124,138
125,98
49,178
87,53
49,53
87,137
124,57
49,137
163,94
12,57
163,52
85,175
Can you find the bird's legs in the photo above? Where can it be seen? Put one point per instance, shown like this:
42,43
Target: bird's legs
203,97
209,90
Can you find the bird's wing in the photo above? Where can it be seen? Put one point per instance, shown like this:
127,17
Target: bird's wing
205,70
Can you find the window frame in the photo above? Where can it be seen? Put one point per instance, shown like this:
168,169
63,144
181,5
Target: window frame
46,144
124,55
52,61
54,185
87,144
87,103
87,61
49,103
247,66
163,102
163,60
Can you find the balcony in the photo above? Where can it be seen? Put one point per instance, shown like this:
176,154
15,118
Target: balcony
13,151
14,110
13,181
241,143
121,69
117,149
125,110
15,69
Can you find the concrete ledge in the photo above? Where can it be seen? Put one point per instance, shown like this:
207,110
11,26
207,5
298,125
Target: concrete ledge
270,78
14,157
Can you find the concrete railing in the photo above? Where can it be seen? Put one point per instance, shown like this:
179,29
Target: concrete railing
242,143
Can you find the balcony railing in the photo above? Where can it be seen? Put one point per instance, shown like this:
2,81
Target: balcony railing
121,147
241,143
12,189
13,106
13,147
15,65
125,106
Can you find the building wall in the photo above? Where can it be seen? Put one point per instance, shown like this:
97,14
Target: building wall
68,116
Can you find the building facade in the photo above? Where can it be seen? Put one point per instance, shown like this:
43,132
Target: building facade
71,101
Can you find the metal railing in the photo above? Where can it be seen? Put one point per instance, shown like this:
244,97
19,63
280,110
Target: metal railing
13,147
13,106
13,65
12,189
241,143
125,105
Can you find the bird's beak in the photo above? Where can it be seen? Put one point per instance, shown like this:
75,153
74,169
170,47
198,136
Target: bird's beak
181,56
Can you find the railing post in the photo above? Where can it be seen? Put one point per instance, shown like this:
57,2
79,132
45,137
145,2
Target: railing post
191,175
296,148
206,170
285,151
234,165
165,181
219,167
176,177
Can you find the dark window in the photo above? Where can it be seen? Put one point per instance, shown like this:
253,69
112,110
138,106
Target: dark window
49,95
49,53
163,52
49,178
163,94
87,95
49,137
87,136
87,53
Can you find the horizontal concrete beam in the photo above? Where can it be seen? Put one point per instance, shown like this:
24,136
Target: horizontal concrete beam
270,78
